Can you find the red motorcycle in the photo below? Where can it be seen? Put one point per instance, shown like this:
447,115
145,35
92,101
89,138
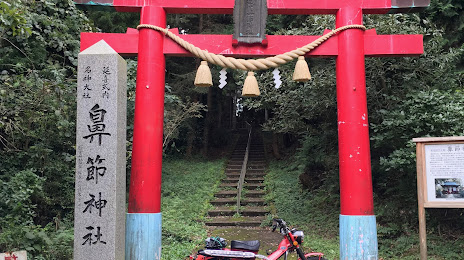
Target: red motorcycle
239,250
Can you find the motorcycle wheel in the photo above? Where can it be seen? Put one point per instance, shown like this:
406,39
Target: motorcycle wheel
315,258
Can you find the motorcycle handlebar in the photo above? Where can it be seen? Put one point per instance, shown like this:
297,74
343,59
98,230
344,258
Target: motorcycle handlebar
278,222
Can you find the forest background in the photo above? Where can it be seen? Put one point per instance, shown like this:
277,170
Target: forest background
407,97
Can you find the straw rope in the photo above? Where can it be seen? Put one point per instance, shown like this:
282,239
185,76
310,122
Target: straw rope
252,64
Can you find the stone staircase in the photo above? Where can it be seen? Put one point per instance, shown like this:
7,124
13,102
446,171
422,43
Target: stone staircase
252,204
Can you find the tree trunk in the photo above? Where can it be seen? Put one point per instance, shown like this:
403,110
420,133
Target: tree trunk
275,145
207,127
191,133
219,111
233,116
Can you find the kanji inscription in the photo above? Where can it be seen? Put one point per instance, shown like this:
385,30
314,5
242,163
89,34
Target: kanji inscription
250,20
101,155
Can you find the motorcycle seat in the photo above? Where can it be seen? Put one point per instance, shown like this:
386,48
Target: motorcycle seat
252,245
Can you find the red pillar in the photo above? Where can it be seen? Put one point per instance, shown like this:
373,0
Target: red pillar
147,151
356,196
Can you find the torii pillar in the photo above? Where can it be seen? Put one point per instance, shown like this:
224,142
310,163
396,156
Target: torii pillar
358,235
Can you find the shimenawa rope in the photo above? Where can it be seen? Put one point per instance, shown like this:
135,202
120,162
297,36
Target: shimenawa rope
252,64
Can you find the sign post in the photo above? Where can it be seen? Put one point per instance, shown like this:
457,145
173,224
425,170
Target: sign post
440,178
100,199
349,47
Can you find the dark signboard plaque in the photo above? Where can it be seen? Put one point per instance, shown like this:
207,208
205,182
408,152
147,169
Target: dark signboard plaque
406,6
250,20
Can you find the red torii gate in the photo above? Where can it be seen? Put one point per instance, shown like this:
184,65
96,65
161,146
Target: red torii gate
358,235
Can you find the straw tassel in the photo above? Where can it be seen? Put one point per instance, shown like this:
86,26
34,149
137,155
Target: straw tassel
301,72
203,77
250,87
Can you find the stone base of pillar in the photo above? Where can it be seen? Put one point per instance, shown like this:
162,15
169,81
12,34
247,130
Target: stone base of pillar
143,236
358,238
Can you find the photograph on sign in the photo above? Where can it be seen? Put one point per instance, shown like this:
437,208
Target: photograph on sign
444,172
448,188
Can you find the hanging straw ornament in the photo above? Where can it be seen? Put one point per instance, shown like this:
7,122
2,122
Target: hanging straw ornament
222,78
250,87
276,77
301,72
203,77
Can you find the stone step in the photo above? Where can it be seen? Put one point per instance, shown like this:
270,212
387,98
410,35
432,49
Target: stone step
248,174
237,169
246,211
252,146
247,179
250,153
235,221
249,164
250,158
226,194
240,153
240,162
245,185
256,161
256,157
230,180
252,150
249,167
233,201
229,171
233,193
224,201
252,201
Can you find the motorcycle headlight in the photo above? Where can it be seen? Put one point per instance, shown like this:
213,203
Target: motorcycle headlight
299,235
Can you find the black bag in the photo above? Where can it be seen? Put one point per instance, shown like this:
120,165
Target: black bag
215,243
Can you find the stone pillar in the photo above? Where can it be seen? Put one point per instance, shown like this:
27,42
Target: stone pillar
100,206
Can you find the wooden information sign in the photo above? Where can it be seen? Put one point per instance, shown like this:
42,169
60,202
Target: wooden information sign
250,20
440,177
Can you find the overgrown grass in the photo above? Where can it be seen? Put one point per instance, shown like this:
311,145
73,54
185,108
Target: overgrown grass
317,211
187,188
307,210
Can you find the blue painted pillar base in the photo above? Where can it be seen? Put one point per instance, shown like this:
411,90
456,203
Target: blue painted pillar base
358,238
143,236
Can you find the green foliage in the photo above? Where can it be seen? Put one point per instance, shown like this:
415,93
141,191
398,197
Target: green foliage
449,15
423,113
12,20
299,108
42,243
20,191
39,43
176,114
409,97
113,22
188,186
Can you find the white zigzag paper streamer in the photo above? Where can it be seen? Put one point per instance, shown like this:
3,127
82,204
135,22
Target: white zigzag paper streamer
277,80
222,77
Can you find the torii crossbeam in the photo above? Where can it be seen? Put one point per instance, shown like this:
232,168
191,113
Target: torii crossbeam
358,235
